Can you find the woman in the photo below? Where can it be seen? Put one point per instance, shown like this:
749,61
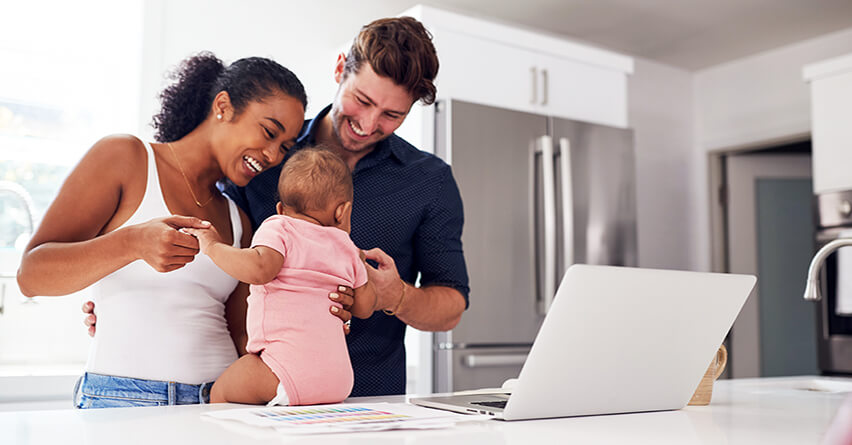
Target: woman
164,337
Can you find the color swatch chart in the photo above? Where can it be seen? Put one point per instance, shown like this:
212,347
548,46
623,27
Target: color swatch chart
314,416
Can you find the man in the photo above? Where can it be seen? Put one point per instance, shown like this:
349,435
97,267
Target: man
407,208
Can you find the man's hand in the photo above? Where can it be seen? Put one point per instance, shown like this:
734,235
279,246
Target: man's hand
91,319
385,279
429,308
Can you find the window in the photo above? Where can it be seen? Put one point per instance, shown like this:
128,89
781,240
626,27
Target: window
69,76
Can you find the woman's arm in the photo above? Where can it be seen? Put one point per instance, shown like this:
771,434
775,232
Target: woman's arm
71,249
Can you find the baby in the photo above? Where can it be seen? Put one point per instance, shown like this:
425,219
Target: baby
297,350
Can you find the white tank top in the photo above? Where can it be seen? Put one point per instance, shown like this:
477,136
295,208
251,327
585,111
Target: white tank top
163,326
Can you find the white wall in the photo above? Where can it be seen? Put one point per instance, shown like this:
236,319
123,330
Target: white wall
660,113
760,97
303,36
679,117
176,30
753,100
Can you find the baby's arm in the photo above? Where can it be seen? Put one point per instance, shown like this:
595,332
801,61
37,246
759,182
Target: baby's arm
364,297
257,265
365,301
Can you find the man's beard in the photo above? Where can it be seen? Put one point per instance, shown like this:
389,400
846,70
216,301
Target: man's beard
335,128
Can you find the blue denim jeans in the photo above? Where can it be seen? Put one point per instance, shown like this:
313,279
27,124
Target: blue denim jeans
105,391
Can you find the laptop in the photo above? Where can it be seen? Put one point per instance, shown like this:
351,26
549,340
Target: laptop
617,340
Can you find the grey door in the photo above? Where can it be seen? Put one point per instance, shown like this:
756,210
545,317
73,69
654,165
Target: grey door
771,235
492,155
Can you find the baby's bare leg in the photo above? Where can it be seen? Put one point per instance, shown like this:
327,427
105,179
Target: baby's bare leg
247,380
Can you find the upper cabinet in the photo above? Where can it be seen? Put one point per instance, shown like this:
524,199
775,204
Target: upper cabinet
504,66
831,123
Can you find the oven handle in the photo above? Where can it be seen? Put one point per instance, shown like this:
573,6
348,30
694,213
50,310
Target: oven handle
490,361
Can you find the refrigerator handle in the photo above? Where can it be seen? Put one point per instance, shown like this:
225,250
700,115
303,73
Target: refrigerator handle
567,203
548,288
535,264
544,82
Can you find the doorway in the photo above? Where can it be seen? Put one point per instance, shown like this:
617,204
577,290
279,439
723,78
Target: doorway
764,226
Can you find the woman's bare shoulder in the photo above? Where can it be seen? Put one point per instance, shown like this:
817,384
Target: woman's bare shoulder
119,154
118,145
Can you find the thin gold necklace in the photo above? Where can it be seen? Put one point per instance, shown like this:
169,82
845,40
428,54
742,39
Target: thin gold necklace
188,185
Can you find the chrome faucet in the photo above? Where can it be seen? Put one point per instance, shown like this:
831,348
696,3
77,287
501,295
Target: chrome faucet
812,286
20,192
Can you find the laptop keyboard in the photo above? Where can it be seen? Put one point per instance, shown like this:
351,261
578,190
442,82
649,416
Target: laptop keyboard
494,404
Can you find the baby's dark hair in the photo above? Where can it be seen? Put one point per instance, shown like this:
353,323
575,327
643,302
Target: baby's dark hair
314,178
198,79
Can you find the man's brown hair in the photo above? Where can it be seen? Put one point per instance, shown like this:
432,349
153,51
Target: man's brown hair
398,48
314,178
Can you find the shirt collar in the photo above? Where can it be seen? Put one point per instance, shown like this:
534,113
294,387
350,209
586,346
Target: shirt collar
309,131
390,146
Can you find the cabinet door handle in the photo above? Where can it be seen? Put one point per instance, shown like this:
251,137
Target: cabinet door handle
544,83
534,96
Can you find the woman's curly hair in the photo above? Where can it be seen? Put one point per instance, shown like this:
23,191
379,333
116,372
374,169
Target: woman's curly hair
198,79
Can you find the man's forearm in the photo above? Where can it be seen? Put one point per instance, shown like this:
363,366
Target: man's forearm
431,308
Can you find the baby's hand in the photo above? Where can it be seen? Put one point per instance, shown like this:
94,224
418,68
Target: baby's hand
206,237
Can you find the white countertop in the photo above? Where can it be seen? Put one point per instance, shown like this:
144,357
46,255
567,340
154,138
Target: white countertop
746,411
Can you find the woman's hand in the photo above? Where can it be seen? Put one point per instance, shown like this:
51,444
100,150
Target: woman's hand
91,319
163,246
345,296
206,237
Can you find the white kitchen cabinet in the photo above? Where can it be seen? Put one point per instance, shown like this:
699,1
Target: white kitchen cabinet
508,67
477,70
583,92
831,123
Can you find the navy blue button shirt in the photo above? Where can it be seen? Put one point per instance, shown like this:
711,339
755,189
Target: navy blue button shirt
407,204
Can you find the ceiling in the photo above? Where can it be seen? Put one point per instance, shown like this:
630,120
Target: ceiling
689,34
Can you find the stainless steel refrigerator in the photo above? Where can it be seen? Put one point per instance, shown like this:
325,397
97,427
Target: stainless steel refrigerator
540,193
